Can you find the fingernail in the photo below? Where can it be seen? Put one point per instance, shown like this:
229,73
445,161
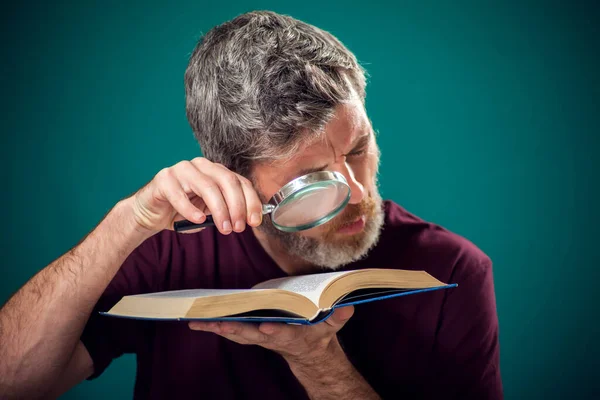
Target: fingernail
255,219
227,226
199,217
239,226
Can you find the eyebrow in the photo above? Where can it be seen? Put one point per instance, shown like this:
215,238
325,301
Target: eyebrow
361,141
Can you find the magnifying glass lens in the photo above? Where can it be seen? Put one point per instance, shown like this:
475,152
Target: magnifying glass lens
310,206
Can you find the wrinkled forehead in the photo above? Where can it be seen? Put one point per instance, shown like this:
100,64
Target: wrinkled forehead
348,124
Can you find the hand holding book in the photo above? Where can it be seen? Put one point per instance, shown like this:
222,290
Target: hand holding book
313,353
295,343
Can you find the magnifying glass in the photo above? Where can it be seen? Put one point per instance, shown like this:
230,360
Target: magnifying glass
303,203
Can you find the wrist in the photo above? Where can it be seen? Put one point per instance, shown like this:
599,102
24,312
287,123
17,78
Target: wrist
331,355
121,218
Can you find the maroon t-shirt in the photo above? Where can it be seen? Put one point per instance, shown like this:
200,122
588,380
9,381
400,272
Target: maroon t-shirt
441,344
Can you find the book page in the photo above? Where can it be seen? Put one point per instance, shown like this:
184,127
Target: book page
310,286
193,293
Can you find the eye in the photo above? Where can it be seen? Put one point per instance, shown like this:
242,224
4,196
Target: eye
357,153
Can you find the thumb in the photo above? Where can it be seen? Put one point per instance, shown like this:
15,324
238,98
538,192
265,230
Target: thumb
340,316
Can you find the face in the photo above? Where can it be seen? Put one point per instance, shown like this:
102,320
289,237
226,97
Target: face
348,146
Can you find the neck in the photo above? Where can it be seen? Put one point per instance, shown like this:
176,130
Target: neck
289,264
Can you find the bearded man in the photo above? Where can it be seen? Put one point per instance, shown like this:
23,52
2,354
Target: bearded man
269,99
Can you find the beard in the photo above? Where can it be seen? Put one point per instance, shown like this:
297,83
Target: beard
330,250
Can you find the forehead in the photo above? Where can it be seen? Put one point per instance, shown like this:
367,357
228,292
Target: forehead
347,125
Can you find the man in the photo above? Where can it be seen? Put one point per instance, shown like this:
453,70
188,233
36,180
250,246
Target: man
269,98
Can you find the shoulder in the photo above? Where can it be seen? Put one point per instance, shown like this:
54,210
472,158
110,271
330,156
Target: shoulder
425,245
467,328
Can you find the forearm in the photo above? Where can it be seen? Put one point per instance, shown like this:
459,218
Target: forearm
42,323
332,376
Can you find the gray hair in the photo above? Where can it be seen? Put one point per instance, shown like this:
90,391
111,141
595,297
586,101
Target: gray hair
259,85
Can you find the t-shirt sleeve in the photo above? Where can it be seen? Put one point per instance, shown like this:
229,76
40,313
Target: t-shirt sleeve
107,338
468,335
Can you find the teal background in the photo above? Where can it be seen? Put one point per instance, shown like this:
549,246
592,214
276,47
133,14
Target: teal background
488,119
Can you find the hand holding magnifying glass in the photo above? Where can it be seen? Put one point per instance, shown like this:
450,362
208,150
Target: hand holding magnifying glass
303,203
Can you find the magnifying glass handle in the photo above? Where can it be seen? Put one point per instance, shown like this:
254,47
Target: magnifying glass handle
186,225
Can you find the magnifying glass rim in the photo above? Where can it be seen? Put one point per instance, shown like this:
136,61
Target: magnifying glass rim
302,182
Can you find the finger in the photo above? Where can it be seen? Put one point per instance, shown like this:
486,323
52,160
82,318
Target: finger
339,317
231,187
244,333
203,326
198,203
253,203
205,187
170,189
281,333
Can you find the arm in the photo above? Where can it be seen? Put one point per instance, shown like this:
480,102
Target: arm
79,367
40,326
468,362
332,376
313,353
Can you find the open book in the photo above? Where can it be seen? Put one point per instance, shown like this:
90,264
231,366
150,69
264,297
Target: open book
305,299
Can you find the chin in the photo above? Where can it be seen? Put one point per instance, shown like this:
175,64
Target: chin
342,250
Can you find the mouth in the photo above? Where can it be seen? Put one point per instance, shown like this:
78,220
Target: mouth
353,227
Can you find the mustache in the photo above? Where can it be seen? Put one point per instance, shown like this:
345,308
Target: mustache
351,213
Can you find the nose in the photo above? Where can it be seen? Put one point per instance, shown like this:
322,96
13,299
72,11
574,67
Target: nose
357,190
